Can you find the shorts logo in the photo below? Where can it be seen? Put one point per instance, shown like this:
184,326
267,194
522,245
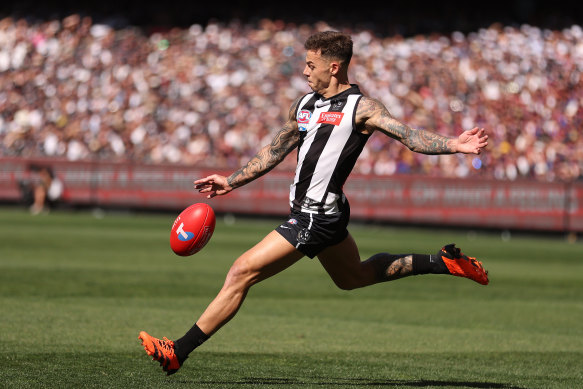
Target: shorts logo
331,118
304,236
292,221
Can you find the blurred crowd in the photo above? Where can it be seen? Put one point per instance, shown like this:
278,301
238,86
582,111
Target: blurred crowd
212,95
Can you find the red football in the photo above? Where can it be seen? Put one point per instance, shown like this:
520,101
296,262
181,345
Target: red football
192,229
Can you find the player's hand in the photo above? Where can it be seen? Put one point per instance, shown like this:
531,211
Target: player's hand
472,141
214,185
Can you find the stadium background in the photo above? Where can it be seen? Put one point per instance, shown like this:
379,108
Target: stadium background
407,18
530,178
77,287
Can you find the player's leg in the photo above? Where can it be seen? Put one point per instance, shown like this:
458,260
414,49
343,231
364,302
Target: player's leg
343,264
270,256
267,258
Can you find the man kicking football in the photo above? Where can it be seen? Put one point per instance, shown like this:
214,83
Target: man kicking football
329,127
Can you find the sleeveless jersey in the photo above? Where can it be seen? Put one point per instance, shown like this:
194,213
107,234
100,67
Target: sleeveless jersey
328,149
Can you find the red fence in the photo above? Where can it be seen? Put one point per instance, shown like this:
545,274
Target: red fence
412,199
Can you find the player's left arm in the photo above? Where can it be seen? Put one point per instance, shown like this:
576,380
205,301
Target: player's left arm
372,115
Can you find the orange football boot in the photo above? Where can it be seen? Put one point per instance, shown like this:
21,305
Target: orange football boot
161,350
461,265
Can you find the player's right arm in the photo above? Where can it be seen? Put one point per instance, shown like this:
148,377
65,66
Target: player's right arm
372,115
265,160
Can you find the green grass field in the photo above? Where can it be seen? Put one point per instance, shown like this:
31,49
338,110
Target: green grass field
75,290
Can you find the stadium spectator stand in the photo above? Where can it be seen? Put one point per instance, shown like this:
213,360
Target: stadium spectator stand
211,94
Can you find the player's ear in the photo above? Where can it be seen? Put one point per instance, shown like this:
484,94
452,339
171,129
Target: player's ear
334,67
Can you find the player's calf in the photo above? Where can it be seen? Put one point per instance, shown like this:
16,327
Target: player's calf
449,260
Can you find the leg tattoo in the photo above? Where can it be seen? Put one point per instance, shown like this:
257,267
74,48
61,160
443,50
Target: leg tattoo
390,267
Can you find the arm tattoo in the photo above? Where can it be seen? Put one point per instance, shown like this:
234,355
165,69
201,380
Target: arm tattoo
428,142
269,156
266,159
372,115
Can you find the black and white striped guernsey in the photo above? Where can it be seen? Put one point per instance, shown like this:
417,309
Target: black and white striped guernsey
328,149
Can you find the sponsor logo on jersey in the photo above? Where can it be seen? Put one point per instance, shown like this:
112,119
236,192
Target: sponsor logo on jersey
304,116
331,118
303,119
292,221
184,236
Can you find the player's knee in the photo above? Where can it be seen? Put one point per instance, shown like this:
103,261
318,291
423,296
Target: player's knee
344,285
240,275
349,283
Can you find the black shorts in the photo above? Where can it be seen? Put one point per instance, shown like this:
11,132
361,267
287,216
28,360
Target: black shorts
311,233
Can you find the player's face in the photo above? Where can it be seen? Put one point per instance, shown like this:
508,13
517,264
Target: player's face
317,71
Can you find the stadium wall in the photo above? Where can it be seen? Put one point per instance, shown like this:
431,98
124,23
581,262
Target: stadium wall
527,205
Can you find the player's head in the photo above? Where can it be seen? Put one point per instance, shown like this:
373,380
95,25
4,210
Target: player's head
328,54
332,45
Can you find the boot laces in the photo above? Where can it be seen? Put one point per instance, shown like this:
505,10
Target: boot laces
167,344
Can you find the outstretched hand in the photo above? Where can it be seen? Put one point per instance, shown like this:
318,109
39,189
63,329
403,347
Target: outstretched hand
472,141
215,185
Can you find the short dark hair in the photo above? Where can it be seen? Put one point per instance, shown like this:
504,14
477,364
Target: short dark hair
331,44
